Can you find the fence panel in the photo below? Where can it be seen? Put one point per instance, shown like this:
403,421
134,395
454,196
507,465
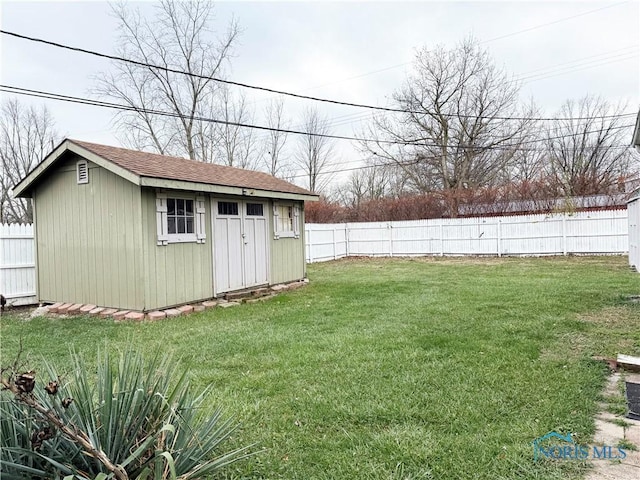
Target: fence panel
597,232
416,237
532,235
17,264
327,242
369,239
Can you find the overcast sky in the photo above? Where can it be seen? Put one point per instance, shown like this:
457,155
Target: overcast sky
350,51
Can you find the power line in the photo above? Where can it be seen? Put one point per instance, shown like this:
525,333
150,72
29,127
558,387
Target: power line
588,59
116,106
271,90
96,103
554,22
580,68
535,27
415,142
529,76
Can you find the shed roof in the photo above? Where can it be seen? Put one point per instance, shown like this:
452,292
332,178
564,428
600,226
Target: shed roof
150,169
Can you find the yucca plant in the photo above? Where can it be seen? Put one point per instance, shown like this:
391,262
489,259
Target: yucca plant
136,420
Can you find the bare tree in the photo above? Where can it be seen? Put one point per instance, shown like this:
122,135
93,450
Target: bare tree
178,38
27,134
528,163
315,150
236,146
372,182
276,139
458,131
588,153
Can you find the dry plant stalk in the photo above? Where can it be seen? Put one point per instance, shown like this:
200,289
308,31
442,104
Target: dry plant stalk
22,385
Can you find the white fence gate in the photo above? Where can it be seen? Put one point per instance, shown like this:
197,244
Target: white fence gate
17,264
597,232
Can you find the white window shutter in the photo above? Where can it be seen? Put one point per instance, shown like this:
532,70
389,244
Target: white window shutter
296,221
161,219
275,221
201,234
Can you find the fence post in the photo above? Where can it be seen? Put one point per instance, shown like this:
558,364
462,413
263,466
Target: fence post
441,238
310,246
333,238
564,234
390,227
346,239
499,238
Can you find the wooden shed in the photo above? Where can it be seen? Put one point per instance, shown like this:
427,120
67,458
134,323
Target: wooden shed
140,231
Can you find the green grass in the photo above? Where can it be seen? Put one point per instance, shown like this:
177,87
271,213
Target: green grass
395,368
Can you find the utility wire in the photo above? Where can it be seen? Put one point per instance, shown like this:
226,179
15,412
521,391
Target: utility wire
117,106
85,101
550,71
415,142
588,59
511,34
271,90
554,22
578,66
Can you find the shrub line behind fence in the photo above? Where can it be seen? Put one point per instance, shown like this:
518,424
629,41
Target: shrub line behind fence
580,233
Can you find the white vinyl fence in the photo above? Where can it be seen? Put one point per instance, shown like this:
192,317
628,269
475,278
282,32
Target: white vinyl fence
17,264
597,232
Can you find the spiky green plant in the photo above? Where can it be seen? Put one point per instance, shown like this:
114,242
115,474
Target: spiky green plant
140,414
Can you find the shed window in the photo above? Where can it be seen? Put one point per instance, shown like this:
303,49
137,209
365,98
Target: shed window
82,172
180,219
180,216
255,210
286,220
227,208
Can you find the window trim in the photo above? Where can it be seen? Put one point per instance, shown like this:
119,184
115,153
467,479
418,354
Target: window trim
295,221
199,211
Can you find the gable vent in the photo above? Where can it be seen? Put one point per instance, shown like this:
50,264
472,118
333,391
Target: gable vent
82,171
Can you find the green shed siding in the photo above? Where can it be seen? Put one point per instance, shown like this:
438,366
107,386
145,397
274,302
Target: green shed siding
287,254
176,273
88,238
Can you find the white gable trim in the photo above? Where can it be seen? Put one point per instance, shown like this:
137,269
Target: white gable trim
68,146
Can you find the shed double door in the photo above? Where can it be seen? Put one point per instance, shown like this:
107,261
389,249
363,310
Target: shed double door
240,244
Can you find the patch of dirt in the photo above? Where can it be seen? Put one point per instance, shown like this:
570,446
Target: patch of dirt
448,259
567,347
20,313
612,317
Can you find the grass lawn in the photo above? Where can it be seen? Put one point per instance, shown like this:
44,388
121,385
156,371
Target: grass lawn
395,368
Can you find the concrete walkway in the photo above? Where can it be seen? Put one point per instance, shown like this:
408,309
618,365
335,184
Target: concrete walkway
609,431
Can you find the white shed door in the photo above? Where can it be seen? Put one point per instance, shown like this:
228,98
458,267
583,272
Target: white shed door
240,245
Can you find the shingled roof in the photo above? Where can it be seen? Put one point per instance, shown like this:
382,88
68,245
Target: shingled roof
152,165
